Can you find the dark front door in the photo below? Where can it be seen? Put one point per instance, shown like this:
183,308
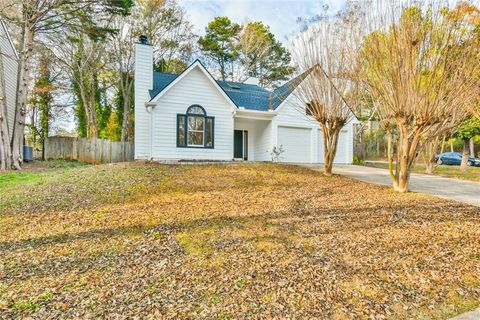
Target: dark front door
238,144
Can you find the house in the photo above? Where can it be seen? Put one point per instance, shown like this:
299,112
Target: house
9,57
192,116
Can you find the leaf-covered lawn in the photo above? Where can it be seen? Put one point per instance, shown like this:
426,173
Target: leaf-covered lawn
231,242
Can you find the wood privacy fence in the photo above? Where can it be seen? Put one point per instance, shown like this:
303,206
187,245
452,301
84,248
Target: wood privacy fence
88,150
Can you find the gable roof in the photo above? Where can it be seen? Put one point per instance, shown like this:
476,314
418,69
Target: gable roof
248,96
281,93
166,81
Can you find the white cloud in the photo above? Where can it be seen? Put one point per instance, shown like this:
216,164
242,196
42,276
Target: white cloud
280,15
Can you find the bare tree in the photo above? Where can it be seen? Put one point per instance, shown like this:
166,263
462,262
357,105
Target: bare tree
83,57
35,18
419,73
166,25
325,51
122,64
254,47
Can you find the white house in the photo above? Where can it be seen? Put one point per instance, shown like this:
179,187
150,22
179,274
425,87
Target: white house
192,116
9,58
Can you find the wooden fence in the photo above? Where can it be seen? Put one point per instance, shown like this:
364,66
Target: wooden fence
88,150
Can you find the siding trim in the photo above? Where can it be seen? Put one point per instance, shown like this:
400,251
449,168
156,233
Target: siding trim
4,26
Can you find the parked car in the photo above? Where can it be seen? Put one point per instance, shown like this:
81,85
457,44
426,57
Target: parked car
455,158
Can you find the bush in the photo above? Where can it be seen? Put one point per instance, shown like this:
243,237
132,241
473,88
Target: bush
357,160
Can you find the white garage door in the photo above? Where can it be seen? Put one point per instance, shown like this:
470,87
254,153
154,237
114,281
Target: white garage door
320,148
296,144
341,156
342,148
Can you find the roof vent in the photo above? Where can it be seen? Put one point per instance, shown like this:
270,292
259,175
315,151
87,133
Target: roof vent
233,86
143,39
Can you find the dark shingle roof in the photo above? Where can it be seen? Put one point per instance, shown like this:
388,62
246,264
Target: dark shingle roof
281,93
249,96
161,81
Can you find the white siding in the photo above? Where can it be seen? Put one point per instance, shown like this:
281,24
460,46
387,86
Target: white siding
10,66
263,141
143,83
194,88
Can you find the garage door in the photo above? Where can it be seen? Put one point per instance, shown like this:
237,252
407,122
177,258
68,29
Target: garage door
342,148
320,148
295,143
341,156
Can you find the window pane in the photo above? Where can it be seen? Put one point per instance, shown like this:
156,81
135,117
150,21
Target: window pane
209,133
196,110
195,138
195,123
181,131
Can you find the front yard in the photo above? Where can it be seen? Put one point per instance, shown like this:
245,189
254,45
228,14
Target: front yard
229,242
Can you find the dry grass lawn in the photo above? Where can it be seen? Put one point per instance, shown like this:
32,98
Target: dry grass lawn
240,241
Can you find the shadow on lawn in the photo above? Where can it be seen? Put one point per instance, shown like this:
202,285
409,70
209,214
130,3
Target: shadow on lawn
349,220
297,210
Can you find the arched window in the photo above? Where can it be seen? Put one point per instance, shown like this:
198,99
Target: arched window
195,129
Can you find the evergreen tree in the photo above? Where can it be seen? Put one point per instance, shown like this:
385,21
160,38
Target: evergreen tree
220,43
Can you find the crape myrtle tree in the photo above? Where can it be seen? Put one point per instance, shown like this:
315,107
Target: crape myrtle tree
469,129
325,52
467,15
34,19
420,73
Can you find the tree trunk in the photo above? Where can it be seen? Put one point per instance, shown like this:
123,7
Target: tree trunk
466,152
126,111
430,152
390,155
92,128
441,151
472,147
5,151
406,155
21,99
330,141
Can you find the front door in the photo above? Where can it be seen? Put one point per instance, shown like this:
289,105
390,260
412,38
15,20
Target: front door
240,144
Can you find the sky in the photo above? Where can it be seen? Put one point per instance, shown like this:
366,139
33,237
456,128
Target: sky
280,15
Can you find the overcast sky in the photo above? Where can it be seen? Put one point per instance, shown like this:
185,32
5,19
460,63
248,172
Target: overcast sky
280,15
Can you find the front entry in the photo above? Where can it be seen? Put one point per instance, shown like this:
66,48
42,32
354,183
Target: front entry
240,144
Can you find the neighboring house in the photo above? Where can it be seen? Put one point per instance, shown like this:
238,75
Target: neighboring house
192,116
10,64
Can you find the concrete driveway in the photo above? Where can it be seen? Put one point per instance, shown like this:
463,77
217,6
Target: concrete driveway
453,189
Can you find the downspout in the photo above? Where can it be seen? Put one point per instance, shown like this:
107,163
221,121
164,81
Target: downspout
150,107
